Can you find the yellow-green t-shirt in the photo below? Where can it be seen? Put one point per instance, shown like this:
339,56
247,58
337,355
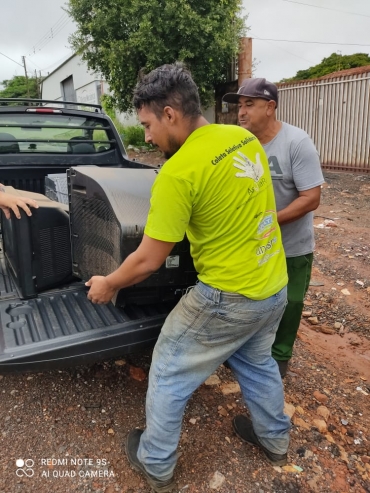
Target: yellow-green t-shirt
217,189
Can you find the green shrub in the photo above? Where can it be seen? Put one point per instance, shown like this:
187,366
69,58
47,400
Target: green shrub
107,106
133,135
120,128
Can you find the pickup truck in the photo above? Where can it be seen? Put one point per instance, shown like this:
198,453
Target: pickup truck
57,326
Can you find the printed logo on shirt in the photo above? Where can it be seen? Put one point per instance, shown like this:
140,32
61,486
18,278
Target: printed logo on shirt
275,170
267,225
262,249
265,252
267,257
249,168
217,159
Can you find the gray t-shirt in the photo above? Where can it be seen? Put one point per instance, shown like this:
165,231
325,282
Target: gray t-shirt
295,166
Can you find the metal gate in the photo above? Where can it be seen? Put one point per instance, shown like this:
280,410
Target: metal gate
335,111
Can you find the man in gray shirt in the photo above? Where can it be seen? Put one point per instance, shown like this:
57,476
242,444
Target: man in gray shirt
297,178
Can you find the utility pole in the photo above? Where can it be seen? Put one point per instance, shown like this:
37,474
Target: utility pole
25,73
245,60
37,86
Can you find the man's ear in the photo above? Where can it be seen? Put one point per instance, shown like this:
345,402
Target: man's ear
271,106
169,114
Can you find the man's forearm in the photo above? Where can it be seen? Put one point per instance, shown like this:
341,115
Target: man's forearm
297,209
132,271
146,260
307,201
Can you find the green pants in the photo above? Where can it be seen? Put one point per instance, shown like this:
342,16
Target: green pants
299,273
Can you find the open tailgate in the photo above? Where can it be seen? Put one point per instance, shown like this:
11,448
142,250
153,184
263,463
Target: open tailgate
62,327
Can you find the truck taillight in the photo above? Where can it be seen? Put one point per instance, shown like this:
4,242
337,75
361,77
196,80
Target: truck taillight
43,110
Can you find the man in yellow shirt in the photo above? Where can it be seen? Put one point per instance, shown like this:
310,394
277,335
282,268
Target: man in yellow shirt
217,189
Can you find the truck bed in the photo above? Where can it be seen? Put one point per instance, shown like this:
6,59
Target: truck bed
61,327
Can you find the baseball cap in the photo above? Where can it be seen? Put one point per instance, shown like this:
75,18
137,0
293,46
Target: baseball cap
254,88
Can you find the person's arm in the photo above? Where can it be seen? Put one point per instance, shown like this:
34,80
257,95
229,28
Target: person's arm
308,201
10,202
139,265
166,224
307,177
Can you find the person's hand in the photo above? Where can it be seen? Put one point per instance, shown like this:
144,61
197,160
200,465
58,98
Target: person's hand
10,202
100,292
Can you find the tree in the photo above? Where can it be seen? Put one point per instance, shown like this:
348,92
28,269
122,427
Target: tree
17,87
333,63
120,37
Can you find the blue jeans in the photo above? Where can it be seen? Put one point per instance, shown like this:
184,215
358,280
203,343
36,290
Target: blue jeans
206,328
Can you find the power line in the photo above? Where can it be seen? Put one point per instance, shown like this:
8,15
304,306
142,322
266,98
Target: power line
11,59
51,34
283,49
326,8
33,63
28,72
47,34
313,42
58,26
55,63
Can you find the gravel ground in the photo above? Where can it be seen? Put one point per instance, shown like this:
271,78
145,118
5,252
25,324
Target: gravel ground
62,431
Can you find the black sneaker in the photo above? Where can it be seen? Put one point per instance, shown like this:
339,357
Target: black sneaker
131,446
244,429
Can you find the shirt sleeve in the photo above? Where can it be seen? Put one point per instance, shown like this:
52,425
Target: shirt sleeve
170,208
306,165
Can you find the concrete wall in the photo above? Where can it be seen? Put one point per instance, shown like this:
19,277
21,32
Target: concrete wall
127,119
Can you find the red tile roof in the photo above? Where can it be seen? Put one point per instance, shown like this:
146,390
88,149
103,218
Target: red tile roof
334,75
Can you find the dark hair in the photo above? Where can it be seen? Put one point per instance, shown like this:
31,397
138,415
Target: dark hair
168,85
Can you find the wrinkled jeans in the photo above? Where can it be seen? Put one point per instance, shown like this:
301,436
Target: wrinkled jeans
206,328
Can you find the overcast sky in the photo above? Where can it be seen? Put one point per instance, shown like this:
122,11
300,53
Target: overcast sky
39,30
324,21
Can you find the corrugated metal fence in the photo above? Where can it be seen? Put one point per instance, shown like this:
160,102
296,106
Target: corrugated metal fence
335,112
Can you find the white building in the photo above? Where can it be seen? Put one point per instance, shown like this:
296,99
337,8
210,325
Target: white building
73,81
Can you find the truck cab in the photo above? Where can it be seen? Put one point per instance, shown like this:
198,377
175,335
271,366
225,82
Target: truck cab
41,137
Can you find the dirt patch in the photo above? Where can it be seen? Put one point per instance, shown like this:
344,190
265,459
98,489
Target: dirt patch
153,157
349,349
71,424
